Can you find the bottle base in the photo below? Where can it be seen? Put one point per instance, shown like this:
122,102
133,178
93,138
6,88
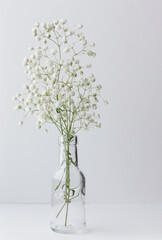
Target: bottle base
68,229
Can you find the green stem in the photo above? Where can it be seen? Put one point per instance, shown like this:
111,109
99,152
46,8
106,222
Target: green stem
75,196
61,209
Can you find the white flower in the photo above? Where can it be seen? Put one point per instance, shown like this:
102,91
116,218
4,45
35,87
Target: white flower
27,109
63,21
53,51
45,47
89,65
92,44
58,27
34,31
38,126
65,29
80,26
14,98
49,25
68,33
49,63
32,57
25,61
20,123
47,35
18,95
91,121
38,38
84,42
98,125
38,52
30,48
98,116
15,108
37,24
99,87
56,22
89,53
64,40
66,50
44,25
94,106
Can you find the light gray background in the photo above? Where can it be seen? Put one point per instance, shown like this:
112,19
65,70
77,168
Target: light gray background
122,161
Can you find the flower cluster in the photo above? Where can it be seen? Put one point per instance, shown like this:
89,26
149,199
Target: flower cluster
60,89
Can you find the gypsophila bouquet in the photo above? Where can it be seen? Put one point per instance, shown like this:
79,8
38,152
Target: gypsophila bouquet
60,89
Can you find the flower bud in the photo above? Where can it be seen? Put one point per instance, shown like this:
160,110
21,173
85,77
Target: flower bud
20,123
80,26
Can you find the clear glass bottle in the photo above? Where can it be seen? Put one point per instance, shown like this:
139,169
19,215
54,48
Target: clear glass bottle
68,190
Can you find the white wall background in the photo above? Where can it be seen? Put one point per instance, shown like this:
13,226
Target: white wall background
122,161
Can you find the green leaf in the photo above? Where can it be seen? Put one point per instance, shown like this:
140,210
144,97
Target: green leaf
73,192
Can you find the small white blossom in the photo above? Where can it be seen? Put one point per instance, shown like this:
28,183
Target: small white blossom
64,40
18,95
80,26
94,106
38,38
98,116
56,22
34,31
30,48
66,50
49,63
98,87
89,65
63,21
106,102
45,130
53,51
44,25
58,27
92,44
98,125
20,123
84,42
14,98
25,61
37,24
38,126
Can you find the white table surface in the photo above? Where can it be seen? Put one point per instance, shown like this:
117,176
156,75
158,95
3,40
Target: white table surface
104,221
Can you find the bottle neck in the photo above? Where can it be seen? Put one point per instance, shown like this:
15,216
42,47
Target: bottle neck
68,151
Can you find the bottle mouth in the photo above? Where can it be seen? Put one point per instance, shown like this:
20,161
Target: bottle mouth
65,139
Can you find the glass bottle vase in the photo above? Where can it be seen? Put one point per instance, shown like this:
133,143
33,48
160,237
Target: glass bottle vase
68,190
